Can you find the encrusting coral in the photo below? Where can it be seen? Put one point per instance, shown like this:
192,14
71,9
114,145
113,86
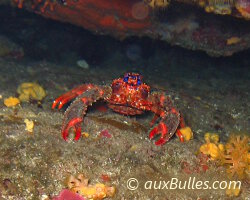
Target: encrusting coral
233,40
234,155
186,133
81,186
157,3
237,156
11,102
30,91
233,191
223,8
212,148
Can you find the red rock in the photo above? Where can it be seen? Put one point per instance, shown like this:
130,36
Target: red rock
117,17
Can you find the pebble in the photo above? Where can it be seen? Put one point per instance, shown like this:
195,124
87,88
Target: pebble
83,64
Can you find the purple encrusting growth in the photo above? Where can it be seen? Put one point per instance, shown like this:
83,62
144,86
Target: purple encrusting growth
105,133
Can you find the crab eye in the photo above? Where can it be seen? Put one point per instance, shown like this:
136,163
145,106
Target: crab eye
116,87
125,79
144,93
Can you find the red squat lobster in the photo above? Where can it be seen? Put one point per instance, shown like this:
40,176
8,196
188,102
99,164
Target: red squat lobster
128,96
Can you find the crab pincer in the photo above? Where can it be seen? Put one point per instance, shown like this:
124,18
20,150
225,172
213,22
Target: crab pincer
161,129
170,120
86,95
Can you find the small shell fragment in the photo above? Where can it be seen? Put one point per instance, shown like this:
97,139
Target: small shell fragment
29,125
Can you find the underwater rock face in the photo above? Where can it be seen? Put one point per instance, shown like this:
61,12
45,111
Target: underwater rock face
9,49
133,52
186,25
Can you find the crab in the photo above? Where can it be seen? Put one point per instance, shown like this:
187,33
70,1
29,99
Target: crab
128,96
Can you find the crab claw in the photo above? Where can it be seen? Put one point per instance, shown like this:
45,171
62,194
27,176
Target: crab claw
67,97
76,124
179,134
160,129
75,113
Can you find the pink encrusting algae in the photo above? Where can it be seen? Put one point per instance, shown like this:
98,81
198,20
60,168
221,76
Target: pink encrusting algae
68,195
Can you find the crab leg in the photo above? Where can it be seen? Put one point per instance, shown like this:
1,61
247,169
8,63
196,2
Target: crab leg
181,125
167,127
76,111
170,119
60,101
